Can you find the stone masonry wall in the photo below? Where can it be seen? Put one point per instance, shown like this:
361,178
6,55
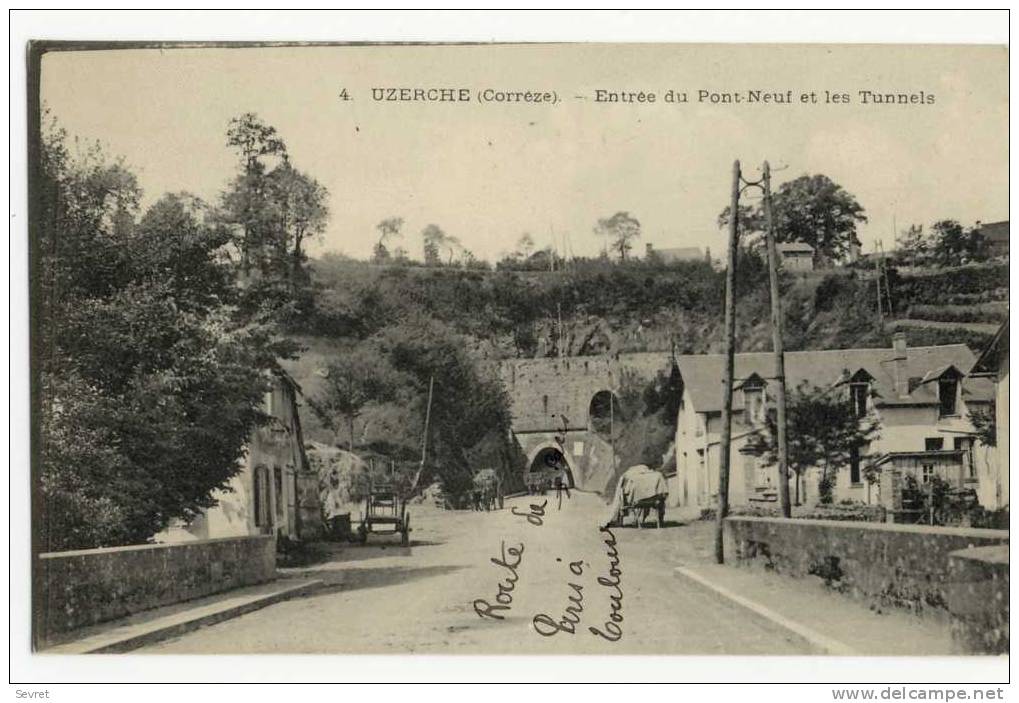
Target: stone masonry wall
978,600
88,586
899,565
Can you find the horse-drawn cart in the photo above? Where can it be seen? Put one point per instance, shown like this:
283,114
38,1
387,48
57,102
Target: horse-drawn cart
641,491
385,513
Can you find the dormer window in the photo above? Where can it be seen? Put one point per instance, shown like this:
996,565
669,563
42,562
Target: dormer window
945,381
753,400
948,393
858,395
859,391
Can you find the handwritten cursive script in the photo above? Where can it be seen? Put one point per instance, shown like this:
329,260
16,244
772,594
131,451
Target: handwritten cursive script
612,632
504,596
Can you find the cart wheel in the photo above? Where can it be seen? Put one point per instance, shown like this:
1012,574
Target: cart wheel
405,535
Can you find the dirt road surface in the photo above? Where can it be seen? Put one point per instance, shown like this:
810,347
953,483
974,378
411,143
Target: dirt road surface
386,599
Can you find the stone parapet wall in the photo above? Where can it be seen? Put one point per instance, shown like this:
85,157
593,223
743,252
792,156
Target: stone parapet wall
904,566
84,587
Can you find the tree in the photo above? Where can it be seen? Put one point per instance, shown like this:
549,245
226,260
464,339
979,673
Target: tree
356,379
434,239
822,429
258,145
297,206
389,229
952,244
621,229
525,246
913,245
151,379
811,209
749,225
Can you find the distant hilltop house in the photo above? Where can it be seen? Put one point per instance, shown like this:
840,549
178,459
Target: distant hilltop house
675,254
796,256
996,236
921,397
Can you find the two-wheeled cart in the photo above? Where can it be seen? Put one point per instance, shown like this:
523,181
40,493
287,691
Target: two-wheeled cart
385,513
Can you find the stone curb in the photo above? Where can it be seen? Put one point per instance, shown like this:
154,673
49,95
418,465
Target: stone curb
813,639
129,637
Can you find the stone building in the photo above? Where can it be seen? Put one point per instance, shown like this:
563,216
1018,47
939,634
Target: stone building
276,491
920,396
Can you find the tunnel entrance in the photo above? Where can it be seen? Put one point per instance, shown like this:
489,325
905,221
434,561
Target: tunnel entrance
547,465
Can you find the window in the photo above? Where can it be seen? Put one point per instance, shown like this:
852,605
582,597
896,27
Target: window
966,445
278,481
928,473
753,400
854,465
261,485
948,389
934,444
858,395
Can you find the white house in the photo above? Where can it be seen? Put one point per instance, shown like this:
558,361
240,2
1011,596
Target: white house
275,492
919,395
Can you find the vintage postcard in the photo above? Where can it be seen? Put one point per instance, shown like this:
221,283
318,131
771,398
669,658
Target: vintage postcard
543,349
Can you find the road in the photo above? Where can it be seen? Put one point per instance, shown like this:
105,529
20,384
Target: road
386,599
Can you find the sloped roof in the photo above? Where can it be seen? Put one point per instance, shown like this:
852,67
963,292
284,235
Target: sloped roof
795,248
995,232
679,254
702,373
990,357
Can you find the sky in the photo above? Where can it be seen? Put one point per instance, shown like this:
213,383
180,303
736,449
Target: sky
487,173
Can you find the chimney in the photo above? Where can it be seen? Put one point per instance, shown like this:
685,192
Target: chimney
899,362
649,248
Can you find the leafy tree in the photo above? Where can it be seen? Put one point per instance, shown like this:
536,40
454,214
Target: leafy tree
822,429
812,209
258,145
748,227
525,246
151,379
389,229
434,239
297,203
622,228
913,245
985,424
952,244
356,379
469,403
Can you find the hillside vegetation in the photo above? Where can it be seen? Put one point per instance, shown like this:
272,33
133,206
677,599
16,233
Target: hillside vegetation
595,306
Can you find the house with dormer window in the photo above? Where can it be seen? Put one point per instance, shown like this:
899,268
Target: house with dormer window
920,396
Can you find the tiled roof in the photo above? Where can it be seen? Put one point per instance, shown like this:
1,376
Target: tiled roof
795,247
702,373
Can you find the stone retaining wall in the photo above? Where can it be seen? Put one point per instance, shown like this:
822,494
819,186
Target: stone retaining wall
900,565
88,586
978,600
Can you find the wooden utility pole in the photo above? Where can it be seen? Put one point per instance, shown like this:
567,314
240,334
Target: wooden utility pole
730,362
778,346
424,440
